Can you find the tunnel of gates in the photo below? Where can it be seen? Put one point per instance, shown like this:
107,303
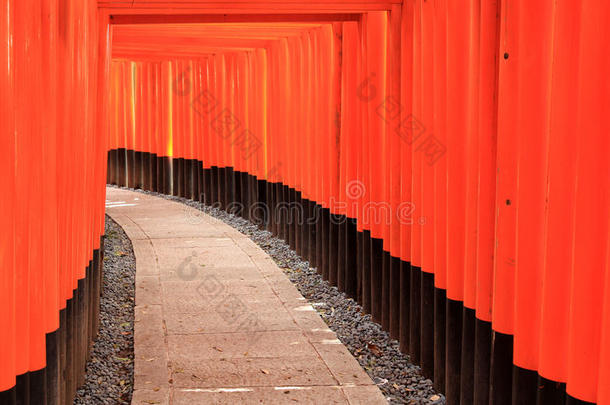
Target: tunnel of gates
444,163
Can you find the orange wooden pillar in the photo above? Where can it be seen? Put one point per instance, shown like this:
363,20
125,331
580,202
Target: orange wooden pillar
159,123
50,248
202,105
532,90
592,199
316,182
333,34
376,25
486,166
405,131
428,157
350,126
393,147
561,156
471,189
24,173
359,189
7,207
440,189
307,146
506,212
177,90
416,184
459,23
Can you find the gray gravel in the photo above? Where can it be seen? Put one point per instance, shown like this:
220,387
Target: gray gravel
109,378
399,380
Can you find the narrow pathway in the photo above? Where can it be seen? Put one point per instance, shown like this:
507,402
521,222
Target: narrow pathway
217,322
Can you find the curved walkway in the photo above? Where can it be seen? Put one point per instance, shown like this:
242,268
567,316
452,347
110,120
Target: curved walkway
216,321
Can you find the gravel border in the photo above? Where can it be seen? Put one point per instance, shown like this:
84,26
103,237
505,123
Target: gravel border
109,373
400,381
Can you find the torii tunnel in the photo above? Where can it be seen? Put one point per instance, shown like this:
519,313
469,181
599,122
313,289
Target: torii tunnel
445,163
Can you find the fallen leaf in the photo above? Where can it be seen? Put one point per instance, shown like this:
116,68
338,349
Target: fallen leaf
375,349
217,348
434,398
264,371
149,401
156,389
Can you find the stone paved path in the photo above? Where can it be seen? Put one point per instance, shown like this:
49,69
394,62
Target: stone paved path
217,322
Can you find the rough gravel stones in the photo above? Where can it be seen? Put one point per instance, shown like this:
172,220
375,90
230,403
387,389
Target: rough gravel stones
109,373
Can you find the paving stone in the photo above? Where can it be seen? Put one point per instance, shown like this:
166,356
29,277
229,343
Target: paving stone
267,344
148,291
341,363
213,322
246,371
155,395
258,395
364,395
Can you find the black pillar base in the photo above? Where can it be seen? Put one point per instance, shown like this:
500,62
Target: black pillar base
482,360
501,369
333,250
405,307
351,258
385,290
524,386
453,351
376,278
131,168
427,324
341,249
415,314
121,170
366,272
138,170
467,359
550,392
440,323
